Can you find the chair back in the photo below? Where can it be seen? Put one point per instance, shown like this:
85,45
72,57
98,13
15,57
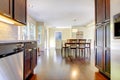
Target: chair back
82,41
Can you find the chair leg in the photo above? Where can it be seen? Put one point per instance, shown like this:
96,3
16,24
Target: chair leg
66,52
79,52
61,51
82,52
90,51
75,52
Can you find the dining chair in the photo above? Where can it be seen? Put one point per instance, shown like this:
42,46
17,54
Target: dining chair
81,47
88,46
64,48
73,47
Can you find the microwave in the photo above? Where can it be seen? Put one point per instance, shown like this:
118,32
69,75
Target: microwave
117,25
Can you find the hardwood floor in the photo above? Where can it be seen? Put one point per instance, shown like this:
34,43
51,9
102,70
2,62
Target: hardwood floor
52,66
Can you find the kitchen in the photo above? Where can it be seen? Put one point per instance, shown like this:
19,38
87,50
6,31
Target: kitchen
16,33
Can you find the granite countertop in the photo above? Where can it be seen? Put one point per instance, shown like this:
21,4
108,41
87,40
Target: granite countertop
15,41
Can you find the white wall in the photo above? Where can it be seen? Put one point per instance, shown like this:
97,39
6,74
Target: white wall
31,20
66,34
115,44
79,28
89,33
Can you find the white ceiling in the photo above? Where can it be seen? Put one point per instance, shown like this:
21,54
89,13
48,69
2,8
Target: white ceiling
62,12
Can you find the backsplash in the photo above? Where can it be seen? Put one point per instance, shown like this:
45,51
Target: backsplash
8,32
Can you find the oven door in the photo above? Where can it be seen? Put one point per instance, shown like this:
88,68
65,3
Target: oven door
11,67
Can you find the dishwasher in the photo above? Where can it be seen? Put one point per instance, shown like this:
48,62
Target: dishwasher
11,61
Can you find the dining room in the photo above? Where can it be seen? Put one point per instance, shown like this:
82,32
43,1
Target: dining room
74,32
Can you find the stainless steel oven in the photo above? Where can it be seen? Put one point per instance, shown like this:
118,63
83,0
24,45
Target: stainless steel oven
117,26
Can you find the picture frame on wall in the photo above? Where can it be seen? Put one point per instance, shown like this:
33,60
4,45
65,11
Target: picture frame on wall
79,34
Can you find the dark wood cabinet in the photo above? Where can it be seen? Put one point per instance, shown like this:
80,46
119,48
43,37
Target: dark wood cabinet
100,10
102,48
30,58
99,47
107,9
6,7
20,11
14,9
27,67
107,49
34,58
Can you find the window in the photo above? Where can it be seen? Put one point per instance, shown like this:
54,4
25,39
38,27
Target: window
28,32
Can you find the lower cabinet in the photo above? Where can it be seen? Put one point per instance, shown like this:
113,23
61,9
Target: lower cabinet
30,59
33,58
99,47
102,49
27,67
107,54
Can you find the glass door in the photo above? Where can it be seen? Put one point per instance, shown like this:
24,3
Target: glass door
58,40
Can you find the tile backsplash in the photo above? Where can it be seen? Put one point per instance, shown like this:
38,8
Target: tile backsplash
8,32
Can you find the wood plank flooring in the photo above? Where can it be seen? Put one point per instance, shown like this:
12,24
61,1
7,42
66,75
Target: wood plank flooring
53,66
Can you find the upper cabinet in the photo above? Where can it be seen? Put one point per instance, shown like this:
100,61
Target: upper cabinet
6,7
107,9
14,9
20,11
102,10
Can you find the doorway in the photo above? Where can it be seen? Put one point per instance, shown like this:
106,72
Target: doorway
58,40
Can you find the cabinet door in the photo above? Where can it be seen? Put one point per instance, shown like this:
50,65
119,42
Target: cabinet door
6,7
107,49
99,54
107,9
27,68
20,11
99,11
34,58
